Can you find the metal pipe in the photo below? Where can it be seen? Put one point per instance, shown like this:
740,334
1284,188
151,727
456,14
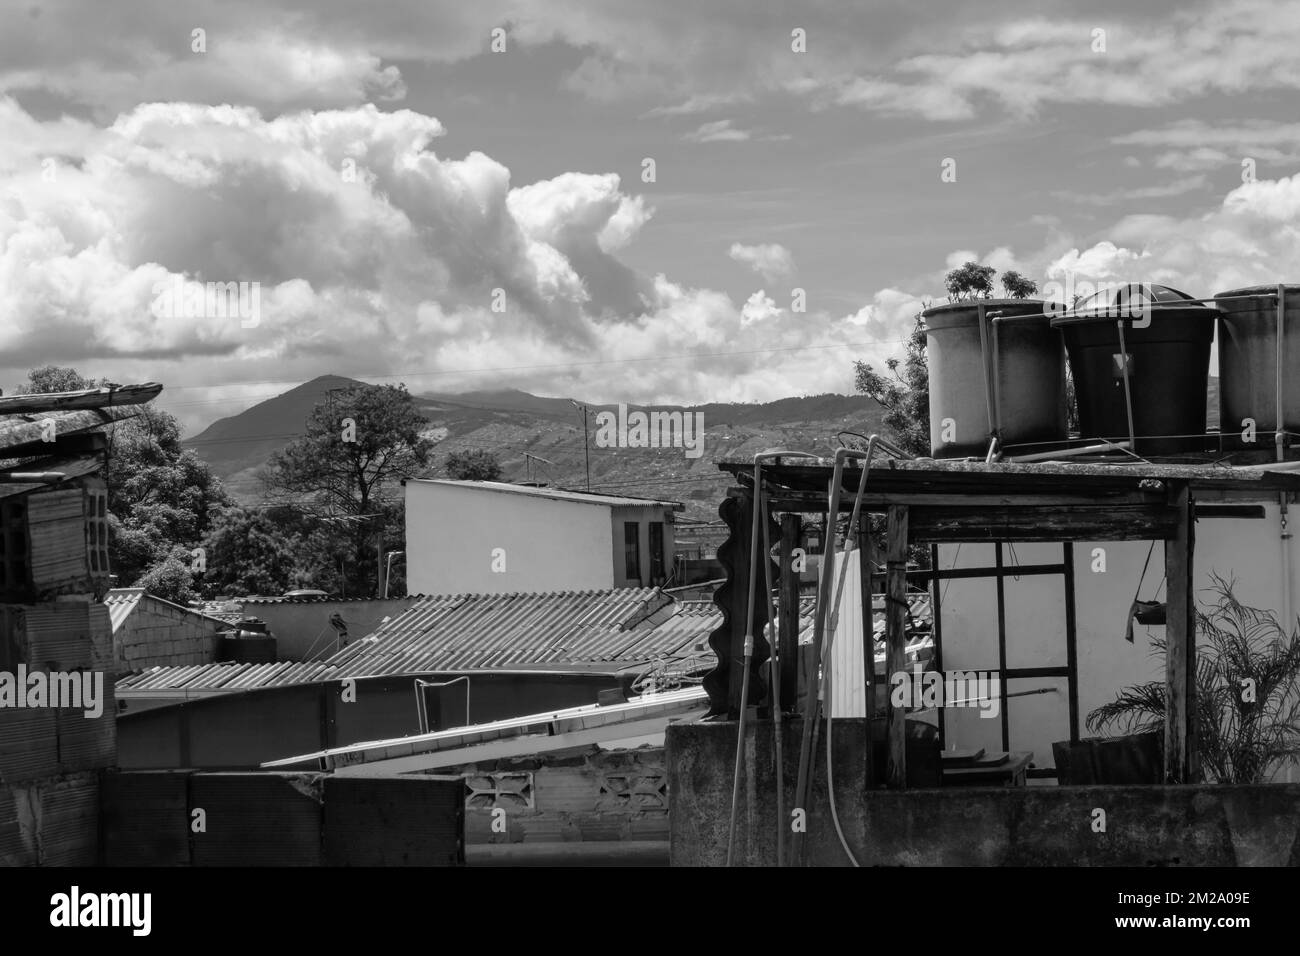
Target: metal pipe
1269,466
827,662
422,712
803,785
1070,452
984,359
1278,433
993,454
997,379
1128,394
823,587
749,638
774,677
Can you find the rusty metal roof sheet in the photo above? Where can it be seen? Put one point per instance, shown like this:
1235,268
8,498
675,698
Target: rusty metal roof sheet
557,631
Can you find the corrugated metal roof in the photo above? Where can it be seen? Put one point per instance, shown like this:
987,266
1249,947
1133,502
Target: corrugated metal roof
228,676
558,631
476,631
557,494
122,602
271,599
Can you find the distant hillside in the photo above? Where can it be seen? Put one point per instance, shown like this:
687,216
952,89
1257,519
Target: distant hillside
247,440
514,425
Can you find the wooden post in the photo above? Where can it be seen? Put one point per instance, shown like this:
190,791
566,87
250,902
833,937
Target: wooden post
1181,763
742,567
896,641
868,641
788,613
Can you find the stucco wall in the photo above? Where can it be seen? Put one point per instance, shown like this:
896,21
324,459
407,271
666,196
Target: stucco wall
549,545
1248,549
302,629
642,518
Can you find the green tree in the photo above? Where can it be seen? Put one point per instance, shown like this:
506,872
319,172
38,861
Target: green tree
473,466
247,552
57,378
170,579
346,468
970,281
1017,286
161,495
904,396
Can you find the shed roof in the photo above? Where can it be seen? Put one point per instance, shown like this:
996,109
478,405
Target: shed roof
961,476
560,629
123,602
555,494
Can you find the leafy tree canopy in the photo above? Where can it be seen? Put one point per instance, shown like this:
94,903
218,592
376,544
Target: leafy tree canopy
473,466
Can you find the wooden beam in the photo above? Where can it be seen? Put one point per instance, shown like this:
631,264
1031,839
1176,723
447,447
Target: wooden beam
1181,763
1045,523
88,398
65,446
866,553
788,612
896,641
815,501
34,428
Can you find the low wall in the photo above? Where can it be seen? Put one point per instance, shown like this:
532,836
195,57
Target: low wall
302,626
50,756
593,796
273,819
159,634
50,822
1202,825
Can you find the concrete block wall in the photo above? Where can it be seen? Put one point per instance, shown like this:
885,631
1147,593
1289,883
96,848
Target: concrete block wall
1204,825
278,819
157,635
50,757
589,796
53,821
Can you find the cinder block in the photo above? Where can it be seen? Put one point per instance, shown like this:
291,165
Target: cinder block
145,818
394,821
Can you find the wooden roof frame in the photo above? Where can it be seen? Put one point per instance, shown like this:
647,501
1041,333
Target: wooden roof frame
966,501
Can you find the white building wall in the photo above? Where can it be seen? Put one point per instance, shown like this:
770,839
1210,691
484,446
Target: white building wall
549,545
1248,549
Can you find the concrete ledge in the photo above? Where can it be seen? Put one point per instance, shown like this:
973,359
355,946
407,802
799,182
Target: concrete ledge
605,853
1022,826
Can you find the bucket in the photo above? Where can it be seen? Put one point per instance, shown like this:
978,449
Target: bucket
1167,337
1028,390
1247,362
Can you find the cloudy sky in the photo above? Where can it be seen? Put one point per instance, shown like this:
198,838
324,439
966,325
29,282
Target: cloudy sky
416,205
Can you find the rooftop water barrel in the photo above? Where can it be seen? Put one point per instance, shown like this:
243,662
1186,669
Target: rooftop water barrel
1167,336
1029,384
1248,351
248,642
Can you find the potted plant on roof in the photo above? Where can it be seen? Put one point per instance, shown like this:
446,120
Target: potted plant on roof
1247,703
996,368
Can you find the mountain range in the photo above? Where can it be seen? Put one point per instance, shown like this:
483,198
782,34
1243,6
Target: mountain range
541,439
